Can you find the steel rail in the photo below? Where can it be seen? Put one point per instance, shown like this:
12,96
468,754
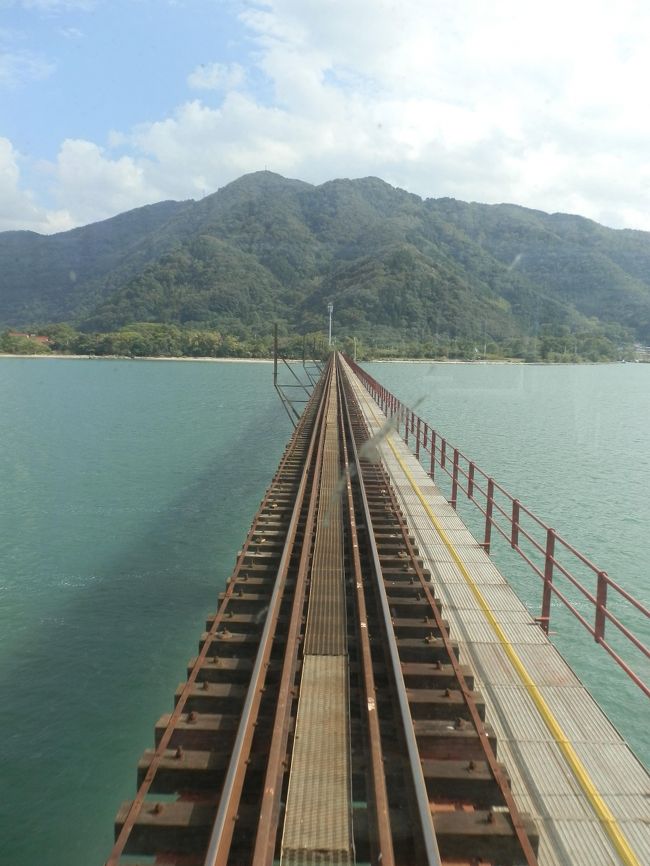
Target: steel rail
429,841
512,512
468,695
139,800
599,805
224,825
384,853
267,830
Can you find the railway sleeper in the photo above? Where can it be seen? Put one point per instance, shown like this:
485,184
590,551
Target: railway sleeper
183,827
216,669
193,769
419,675
246,602
395,567
208,693
248,582
245,623
443,739
257,569
457,781
202,730
230,645
179,827
464,837
428,649
411,627
413,608
446,703
406,584
486,835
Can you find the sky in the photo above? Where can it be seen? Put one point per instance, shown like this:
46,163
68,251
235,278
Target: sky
107,105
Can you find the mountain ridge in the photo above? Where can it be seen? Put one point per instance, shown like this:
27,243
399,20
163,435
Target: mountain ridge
265,247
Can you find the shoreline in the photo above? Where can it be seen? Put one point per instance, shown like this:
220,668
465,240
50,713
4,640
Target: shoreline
210,360
64,356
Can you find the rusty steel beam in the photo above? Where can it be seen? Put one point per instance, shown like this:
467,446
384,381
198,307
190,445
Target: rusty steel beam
521,826
380,809
265,839
222,831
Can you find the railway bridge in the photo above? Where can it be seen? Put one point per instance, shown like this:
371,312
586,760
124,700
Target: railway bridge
370,688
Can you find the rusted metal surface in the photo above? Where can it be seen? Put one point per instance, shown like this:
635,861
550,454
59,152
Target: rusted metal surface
465,693
326,715
379,810
318,813
326,631
227,815
318,816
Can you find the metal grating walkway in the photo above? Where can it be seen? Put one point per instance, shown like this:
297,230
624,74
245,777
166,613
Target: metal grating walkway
326,621
318,808
318,816
542,781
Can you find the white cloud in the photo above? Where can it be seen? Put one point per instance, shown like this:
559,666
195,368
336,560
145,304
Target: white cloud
93,186
18,208
71,33
17,67
545,106
216,76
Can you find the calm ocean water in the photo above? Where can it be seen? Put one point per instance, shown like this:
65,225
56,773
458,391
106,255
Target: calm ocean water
126,489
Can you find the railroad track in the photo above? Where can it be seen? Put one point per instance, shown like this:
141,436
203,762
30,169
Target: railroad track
327,718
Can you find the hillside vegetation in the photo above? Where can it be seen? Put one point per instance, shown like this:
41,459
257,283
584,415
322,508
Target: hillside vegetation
401,271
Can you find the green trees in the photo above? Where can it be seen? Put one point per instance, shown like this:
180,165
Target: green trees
18,344
436,277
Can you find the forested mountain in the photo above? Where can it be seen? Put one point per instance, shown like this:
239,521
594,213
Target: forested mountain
57,277
266,248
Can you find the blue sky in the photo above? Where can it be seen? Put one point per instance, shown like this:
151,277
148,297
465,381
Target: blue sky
107,65
110,104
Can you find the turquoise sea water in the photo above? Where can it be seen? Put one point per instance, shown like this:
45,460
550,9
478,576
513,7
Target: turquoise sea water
573,444
126,489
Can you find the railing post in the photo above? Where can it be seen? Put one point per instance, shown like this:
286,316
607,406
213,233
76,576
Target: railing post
514,538
454,480
489,506
548,580
601,606
426,435
432,473
470,481
417,440
412,422
406,426
443,453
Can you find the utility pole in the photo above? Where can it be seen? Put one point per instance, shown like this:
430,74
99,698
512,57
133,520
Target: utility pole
275,354
330,308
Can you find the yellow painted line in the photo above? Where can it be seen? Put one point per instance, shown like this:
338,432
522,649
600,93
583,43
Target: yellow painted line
600,807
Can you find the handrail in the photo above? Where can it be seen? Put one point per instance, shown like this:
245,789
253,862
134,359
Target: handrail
538,544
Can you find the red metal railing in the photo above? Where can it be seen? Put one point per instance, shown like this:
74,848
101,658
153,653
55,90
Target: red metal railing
550,556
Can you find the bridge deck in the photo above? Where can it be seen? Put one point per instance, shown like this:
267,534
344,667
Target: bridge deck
319,800
589,796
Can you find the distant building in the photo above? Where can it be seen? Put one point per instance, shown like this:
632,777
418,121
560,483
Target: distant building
38,338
